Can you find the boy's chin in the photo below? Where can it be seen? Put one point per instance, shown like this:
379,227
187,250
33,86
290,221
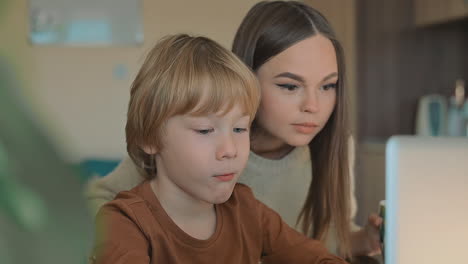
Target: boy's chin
222,197
220,201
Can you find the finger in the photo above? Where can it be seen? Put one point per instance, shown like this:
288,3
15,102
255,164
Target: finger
375,220
375,252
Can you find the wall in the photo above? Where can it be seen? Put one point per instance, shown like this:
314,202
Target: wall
398,63
72,89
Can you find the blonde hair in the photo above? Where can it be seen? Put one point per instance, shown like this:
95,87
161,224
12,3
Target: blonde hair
184,75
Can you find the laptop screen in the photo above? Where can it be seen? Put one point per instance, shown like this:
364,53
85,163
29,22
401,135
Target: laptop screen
426,215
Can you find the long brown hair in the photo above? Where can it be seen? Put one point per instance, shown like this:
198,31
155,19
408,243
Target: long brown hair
268,29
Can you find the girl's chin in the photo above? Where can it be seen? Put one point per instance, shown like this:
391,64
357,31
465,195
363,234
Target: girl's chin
299,140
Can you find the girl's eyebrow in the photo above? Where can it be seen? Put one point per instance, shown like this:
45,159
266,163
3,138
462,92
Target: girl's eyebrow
291,76
301,79
329,76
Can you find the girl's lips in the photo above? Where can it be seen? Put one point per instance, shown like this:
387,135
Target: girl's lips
305,128
306,124
225,177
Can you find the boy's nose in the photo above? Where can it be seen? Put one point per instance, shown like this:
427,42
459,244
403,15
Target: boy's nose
227,148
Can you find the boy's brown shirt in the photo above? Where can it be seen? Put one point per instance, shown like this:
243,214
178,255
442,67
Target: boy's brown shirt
134,228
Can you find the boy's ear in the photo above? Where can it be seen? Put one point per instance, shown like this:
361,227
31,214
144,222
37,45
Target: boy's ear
150,150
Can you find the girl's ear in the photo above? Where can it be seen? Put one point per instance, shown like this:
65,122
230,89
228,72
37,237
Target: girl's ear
149,150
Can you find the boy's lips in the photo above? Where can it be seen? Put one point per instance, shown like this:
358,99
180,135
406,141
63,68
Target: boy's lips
225,177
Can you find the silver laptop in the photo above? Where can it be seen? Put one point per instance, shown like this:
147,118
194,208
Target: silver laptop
426,215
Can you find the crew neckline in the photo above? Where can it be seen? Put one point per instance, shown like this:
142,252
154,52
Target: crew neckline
166,220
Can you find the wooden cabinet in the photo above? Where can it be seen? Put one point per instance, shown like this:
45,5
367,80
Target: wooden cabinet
439,11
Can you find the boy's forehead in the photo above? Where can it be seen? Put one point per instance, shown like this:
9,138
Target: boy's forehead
215,96
206,107
236,108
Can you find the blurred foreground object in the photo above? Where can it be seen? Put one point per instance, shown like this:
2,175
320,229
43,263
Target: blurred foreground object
43,215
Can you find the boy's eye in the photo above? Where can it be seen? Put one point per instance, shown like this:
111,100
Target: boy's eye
240,130
288,86
204,131
329,86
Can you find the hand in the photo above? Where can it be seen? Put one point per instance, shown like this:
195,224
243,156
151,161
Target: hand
373,235
367,240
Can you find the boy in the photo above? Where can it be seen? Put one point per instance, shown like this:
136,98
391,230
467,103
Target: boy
190,110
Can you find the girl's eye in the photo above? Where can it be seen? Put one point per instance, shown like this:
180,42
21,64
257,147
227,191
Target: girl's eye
329,86
204,131
289,87
240,130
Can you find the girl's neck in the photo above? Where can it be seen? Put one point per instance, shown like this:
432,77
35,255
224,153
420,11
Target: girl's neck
267,146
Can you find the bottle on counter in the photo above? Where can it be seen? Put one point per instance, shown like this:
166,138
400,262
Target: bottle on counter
456,119
431,116
465,112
